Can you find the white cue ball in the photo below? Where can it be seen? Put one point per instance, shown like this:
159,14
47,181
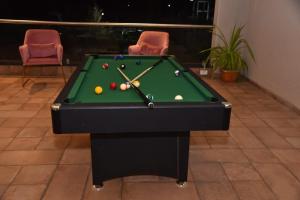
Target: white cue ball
127,85
123,87
178,98
177,73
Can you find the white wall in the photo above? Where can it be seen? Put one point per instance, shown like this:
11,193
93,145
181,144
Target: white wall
273,31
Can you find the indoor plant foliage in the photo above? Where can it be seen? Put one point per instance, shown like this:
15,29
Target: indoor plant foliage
228,57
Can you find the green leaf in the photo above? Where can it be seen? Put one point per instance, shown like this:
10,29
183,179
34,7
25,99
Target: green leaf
228,56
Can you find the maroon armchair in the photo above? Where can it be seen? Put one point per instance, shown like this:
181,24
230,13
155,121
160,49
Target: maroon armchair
151,43
41,47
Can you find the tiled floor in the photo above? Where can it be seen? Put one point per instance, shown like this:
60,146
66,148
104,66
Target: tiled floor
257,159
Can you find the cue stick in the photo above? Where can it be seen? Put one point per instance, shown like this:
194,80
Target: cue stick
137,90
147,70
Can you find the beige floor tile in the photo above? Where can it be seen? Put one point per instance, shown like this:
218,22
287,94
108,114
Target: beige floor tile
280,180
249,101
2,189
216,191
234,89
38,100
30,157
31,106
210,133
40,123
199,142
222,142
294,141
7,174
24,192
236,123
76,156
278,123
170,191
54,142
261,156
32,132
10,106
276,114
240,172
43,113
270,138
288,132
254,122
15,122
4,142
111,191
17,100
287,155
253,190
9,132
34,174
245,138
18,114
68,182
217,155
2,120
3,98
208,172
24,144
294,169
295,122
242,112
80,141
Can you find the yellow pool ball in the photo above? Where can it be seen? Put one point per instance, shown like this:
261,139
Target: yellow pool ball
98,90
136,83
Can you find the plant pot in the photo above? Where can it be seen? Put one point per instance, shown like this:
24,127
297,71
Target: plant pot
229,76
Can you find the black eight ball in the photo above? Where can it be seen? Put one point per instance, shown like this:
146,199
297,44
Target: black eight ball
123,66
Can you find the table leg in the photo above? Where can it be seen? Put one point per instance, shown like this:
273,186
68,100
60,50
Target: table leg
128,154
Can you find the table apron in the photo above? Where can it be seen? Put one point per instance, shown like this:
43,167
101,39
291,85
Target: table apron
140,120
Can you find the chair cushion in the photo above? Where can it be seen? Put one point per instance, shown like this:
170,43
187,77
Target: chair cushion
148,49
42,50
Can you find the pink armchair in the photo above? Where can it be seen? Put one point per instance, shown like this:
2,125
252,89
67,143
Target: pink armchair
151,43
41,47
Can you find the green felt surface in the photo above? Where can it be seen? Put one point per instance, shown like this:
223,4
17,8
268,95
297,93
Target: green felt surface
161,81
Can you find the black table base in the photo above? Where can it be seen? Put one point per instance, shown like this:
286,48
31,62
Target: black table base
120,155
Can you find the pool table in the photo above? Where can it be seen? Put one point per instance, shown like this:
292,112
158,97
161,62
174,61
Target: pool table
127,136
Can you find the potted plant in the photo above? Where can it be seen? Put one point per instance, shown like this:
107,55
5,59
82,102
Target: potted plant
227,57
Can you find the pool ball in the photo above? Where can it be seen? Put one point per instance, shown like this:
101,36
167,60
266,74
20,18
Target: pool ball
178,98
150,97
119,57
122,66
177,73
138,62
113,85
105,66
136,83
123,87
98,90
127,85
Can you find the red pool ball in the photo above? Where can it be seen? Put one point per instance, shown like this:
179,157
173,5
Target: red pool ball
105,66
113,85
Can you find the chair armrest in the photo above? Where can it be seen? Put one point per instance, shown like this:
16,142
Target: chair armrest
134,49
164,51
60,51
24,52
